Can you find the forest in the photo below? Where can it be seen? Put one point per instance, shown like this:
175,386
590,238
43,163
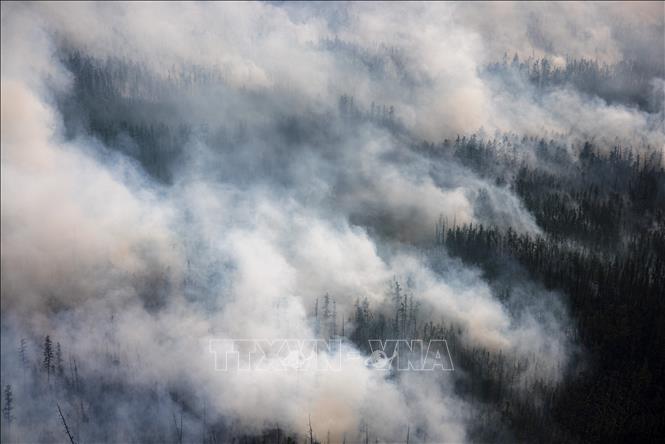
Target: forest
154,203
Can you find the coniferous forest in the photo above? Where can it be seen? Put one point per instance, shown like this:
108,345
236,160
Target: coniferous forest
178,179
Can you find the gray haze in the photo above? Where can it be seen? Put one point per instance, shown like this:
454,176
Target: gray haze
244,240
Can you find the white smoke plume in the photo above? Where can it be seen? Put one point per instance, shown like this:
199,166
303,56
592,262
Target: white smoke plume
110,262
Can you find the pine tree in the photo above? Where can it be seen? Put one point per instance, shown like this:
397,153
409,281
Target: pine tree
23,355
326,314
58,360
9,405
316,317
397,302
48,357
333,319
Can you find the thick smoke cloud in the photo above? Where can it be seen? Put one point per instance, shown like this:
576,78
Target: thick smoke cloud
245,239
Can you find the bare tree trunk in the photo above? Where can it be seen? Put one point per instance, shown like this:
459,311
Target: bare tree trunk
311,435
71,439
178,429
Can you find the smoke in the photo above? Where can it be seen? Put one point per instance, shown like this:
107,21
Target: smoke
301,198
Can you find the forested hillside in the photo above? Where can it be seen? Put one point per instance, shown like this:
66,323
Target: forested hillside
356,174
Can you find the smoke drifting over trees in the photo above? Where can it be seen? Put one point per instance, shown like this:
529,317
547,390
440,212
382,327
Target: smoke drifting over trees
488,174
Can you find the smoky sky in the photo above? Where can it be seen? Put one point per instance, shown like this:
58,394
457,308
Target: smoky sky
299,179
